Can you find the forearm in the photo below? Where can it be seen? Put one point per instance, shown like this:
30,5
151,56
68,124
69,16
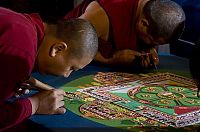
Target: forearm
101,59
35,104
120,57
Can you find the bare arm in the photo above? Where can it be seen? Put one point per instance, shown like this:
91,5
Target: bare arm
120,57
95,14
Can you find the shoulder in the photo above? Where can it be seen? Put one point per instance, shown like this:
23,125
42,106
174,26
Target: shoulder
14,22
11,17
95,14
94,11
94,5
18,38
16,30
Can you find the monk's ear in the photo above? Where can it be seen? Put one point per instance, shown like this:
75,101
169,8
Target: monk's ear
143,25
57,48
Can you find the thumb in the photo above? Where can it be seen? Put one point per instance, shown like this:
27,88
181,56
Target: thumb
60,110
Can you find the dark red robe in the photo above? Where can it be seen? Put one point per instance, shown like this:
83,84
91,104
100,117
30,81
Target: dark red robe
122,15
20,35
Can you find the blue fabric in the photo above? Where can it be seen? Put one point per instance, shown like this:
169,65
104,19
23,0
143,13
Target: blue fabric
68,120
192,11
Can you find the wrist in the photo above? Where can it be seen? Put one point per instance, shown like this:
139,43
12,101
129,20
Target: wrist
35,104
103,60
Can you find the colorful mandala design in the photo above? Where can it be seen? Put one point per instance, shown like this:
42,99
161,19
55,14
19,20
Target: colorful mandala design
165,96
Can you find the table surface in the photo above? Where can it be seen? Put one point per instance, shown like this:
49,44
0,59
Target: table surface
70,121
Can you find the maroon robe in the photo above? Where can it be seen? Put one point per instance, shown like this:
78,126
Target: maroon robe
121,14
20,35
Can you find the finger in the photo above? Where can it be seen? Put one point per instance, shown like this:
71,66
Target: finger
19,90
60,104
148,61
25,86
156,60
60,91
25,91
60,98
145,59
153,52
146,64
60,110
17,95
142,61
154,56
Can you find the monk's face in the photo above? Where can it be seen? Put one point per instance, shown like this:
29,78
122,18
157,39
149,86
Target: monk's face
57,60
63,65
142,28
148,39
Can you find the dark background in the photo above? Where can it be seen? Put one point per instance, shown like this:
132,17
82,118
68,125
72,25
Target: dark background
192,28
49,10
52,10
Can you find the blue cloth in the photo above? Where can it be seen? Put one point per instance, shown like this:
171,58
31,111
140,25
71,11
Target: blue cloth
192,11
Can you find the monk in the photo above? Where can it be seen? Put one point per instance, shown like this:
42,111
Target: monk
27,44
130,29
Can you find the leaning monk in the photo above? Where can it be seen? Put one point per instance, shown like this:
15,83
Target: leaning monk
26,43
131,28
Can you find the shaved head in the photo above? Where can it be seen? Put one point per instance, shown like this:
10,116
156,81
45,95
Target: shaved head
166,19
80,37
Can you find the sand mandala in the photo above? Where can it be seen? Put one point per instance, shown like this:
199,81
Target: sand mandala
129,100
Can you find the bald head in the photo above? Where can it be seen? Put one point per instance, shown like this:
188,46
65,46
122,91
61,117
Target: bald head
80,37
166,19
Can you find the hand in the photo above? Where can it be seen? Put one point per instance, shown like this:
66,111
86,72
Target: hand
150,58
125,57
38,84
24,89
32,83
48,102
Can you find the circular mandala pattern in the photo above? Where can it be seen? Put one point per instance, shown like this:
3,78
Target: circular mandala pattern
164,96
170,95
